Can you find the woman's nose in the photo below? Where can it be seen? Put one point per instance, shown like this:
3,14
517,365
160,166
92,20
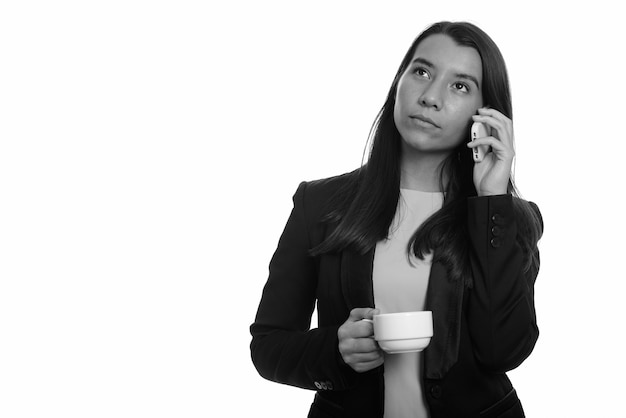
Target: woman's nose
431,97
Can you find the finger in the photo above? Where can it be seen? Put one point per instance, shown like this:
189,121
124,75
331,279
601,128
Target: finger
498,147
490,111
353,330
364,357
493,113
367,357
359,346
357,314
371,313
375,363
499,122
485,140
366,345
355,358
491,141
490,121
364,367
362,330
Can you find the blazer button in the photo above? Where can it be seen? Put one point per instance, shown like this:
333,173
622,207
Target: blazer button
435,391
496,242
497,219
318,385
496,231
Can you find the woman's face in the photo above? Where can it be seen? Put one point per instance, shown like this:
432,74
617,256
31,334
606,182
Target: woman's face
437,95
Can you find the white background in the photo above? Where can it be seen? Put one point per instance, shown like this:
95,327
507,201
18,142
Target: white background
149,151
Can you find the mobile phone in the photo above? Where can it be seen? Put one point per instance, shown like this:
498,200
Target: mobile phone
479,130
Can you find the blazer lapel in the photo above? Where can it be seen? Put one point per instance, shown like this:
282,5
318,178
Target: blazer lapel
356,279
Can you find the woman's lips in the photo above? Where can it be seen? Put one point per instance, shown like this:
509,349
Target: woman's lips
423,121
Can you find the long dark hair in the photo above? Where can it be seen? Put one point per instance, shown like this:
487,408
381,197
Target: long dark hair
364,209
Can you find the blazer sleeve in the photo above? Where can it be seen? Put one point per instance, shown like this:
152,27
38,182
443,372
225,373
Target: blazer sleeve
283,348
501,309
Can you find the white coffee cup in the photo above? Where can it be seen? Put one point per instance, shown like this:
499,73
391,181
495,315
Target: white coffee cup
403,332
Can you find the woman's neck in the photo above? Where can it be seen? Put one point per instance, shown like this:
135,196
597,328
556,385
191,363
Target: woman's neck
421,171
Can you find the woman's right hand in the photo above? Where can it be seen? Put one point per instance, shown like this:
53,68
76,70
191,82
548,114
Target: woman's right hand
357,346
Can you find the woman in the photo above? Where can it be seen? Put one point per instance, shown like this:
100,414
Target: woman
420,226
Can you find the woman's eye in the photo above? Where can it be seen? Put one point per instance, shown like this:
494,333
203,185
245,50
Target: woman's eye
461,87
421,72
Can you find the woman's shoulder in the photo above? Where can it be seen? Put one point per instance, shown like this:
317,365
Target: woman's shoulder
320,196
331,185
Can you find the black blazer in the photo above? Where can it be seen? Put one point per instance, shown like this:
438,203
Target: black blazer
480,332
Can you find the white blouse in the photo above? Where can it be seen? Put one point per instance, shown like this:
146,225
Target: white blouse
400,286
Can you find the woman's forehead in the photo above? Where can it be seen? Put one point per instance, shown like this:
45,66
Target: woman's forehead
444,54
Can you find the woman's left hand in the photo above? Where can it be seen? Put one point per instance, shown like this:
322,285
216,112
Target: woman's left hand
491,175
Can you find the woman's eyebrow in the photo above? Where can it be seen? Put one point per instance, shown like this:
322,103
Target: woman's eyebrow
423,61
469,77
